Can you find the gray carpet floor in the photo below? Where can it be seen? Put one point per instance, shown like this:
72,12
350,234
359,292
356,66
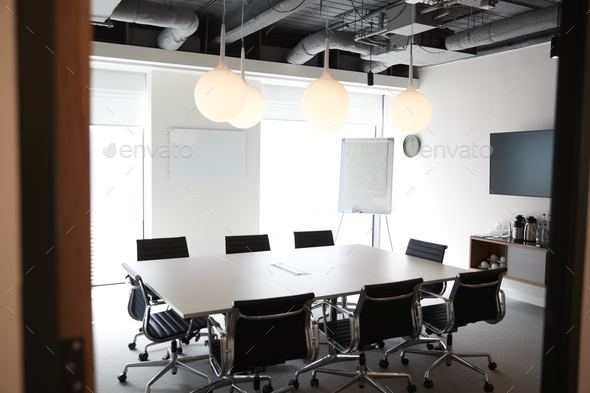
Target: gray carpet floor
515,345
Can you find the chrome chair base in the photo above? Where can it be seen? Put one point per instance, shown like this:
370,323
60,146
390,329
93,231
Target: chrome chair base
361,376
407,343
173,364
233,380
447,355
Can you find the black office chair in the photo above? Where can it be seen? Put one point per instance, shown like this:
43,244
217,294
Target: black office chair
150,249
384,311
432,252
246,243
476,296
162,248
167,326
261,333
313,239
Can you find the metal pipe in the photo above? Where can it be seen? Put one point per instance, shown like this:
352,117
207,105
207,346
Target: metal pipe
179,23
520,25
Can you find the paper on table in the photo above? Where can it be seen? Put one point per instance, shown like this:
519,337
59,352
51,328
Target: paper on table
289,269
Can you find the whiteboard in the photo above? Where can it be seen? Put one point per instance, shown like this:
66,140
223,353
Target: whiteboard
366,170
207,155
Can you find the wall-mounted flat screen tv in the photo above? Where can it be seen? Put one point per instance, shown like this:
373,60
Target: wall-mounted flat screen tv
521,163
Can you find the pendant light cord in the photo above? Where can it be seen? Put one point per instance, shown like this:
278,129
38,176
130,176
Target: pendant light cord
411,70
327,14
243,2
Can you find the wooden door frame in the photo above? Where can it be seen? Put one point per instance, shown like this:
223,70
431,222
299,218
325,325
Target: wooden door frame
54,39
53,53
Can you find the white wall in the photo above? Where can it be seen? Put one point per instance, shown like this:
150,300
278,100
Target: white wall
444,199
11,339
203,212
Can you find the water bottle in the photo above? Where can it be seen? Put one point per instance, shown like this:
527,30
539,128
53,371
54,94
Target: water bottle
542,238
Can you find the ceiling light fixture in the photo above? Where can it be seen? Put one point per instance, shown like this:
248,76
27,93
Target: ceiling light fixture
220,94
325,100
410,111
254,108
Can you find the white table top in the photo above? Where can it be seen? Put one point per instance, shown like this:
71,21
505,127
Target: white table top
207,285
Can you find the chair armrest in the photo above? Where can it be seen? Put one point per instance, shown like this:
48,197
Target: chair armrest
213,330
325,316
450,316
502,308
436,295
315,341
338,308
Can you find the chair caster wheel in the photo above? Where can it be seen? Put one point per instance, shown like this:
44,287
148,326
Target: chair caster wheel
143,356
166,357
131,345
294,383
439,347
206,343
428,383
315,382
430,346
488,387
405,361
492,365
412,388
381,344
122,377
197,338
267,388
179,350
383,363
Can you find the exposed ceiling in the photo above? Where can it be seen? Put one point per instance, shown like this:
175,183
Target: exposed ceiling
370,34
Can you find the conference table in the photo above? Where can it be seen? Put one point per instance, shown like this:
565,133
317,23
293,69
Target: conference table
206,285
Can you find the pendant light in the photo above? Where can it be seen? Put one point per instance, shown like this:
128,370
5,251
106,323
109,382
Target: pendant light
325,100
220,94
254,108
410,111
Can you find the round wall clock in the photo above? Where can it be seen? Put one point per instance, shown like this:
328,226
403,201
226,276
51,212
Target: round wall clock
411,145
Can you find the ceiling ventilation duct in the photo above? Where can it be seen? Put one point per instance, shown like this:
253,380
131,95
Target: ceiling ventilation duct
520,25
311,45
179,23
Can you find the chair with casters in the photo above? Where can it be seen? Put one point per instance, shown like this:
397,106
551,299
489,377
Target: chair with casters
150,249
167,326
432,252
384,311
261,333
435,253
313,239
476,296
246,243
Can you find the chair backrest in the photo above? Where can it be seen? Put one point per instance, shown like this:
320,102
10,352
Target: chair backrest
425,250
313,239
246,243
148,249
432,252
269,331
137,304
475,297
163,248
386,311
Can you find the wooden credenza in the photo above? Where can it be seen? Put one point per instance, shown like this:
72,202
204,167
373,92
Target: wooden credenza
525,262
